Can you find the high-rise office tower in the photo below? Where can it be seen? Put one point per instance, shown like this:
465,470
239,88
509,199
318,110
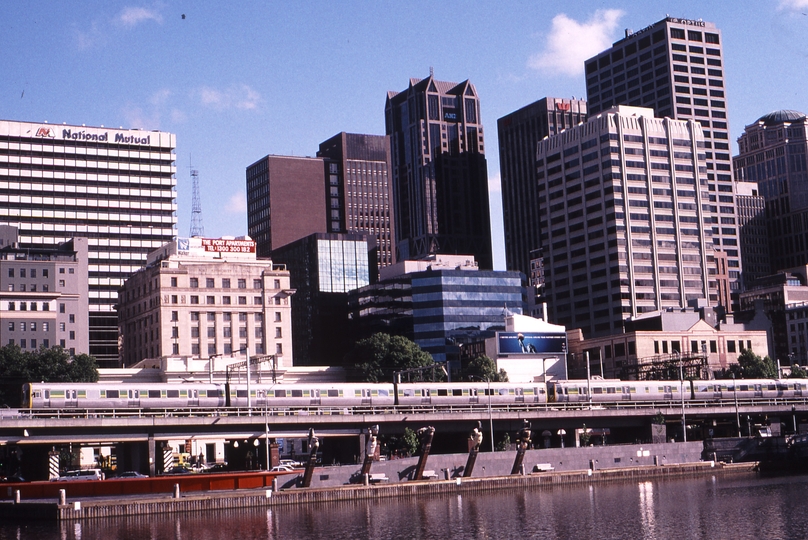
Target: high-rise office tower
773,156
439,171
358,190
622,199
519,133
675,66
754,234
285,201
115,187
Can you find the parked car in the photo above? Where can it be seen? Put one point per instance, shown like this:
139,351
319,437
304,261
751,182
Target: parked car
291,463
281,468
178,470
217,467
131,474
12,478
84,474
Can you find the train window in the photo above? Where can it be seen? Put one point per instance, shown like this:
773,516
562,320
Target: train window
333,393
597,390
297,393
154,394
409,392
172,393
797,386
772,387
113,394
611,390
280,393
668,389
383,393
442,392
241,393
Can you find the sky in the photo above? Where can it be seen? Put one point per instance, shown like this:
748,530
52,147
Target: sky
236,81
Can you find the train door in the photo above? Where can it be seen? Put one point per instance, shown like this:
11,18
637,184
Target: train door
798,389
758,390
519,396
626,393
70,399
717,394
366,397
133,398
473,397
426,397
315,397
193,397
667,392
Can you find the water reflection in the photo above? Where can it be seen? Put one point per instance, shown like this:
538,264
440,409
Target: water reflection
734,507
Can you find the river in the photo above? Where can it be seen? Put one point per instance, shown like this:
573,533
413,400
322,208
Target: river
710,507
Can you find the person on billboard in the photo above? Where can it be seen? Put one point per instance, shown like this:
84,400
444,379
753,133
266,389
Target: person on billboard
526,347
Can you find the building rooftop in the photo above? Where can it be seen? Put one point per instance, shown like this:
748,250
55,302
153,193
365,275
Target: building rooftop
783,115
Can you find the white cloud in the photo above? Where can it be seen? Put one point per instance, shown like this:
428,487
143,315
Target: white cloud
570,42
131,16
237,204
793,5
234,97
494,183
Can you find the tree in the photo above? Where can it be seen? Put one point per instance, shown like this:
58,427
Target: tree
483,368
798,372
46,365
754,367
377,357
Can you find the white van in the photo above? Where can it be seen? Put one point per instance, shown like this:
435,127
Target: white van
86,474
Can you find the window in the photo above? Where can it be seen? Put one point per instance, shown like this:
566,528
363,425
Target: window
71,318
175,348
173,282
22,272
11,306
61,308
212,331
61,283
10,272
71,270
257,300
175,332
209,283
45,306
277,316
278,332
72,334
226,300
62,327
242,331
45,326
194,299
46,343
61,270
278,348
211,317
259,332
225,283
256,283
242,317
194,315
228,348
242,283
730,346
227,316
23,344
33,344
175,315
23,326
210,300
195,348
211,348
44,272
11,326
226,332
33,327
277,284
194,331
173,298
259,317
242,300
194,283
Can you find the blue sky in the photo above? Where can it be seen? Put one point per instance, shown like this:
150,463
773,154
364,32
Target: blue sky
239,80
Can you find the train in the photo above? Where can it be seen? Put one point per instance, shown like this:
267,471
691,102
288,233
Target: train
137,395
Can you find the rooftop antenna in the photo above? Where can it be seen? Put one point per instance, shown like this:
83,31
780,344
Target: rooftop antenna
431,71
197,229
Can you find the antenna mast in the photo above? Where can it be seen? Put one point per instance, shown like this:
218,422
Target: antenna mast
197,229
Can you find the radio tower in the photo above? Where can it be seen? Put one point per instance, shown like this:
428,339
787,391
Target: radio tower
197,229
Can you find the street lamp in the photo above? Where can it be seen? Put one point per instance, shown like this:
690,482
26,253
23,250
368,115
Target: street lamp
682,389
737,416
490,413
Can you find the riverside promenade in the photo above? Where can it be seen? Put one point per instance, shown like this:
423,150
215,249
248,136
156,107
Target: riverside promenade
394,485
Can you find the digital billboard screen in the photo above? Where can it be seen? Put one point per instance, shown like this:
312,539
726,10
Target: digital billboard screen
531,343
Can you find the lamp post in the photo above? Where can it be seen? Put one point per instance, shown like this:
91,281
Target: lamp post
588,380
682,385
737,416
490,413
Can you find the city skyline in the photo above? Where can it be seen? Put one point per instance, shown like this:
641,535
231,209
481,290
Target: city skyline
238,84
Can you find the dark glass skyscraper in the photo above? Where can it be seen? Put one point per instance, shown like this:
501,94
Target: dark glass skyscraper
519,133
439,171
675,66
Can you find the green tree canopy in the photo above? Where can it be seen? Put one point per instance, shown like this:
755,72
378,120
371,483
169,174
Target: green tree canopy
43,365
483,368
377,357
753,366
798,372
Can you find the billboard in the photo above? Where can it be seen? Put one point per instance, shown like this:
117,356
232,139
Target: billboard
228,246
531,343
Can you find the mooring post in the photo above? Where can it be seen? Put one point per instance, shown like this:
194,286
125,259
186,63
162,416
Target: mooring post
176,491
62,497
